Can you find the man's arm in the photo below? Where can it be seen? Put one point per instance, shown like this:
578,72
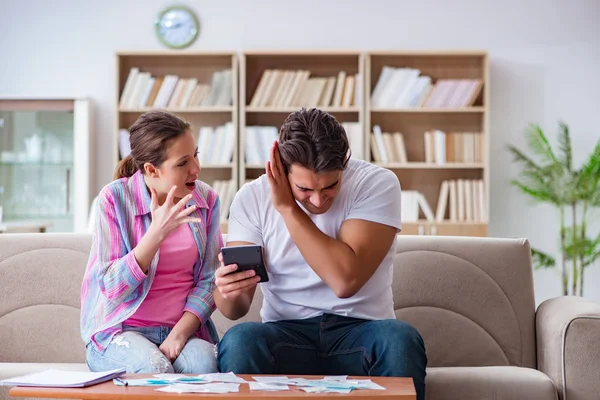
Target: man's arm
344,264
234,292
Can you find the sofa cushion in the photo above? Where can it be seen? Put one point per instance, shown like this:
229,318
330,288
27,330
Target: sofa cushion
40,284
471,299
498,383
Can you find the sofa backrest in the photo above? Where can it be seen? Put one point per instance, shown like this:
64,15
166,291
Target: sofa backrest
470,298
40,283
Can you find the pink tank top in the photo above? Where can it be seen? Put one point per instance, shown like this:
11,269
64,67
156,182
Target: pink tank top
174,278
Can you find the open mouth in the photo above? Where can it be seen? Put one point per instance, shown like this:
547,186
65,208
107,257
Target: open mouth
191,185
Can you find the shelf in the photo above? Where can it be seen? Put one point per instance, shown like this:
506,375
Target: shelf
179,110
421,165
292,109
429,110
195,73
254,166
35,164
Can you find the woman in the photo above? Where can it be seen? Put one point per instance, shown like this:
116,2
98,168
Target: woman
146,297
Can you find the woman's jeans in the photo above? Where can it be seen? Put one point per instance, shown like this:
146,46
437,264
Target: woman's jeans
326,345
136,350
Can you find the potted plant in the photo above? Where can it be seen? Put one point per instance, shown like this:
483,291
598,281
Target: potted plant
549,176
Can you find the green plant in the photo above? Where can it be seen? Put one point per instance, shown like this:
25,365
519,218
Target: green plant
550,177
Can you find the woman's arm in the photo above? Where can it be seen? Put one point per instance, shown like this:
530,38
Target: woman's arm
200,301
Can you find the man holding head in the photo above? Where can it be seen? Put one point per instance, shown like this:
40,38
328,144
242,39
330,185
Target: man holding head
328,226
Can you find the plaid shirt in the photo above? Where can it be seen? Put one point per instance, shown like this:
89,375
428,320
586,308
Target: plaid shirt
114,285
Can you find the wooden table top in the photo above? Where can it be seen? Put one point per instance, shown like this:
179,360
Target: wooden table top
397,389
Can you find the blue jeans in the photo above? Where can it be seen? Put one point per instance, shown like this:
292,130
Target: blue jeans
136,350
326,345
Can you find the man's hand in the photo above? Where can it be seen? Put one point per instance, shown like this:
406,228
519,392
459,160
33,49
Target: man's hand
172,346
281,193
232,284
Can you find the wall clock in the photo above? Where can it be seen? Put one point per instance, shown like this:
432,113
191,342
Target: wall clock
177,27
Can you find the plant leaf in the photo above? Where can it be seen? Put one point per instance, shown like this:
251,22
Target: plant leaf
564,145
542,260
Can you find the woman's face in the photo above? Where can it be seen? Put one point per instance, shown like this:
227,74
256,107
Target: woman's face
181,168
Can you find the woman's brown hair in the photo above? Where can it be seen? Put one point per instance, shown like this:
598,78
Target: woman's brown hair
150,137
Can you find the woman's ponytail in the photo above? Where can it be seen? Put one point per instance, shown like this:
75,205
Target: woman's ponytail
126,168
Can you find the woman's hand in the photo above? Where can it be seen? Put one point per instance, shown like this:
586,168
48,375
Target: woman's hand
167,217
172,346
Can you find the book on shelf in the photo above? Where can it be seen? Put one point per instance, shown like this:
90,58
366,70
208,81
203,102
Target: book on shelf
399,87
388,147
216,144
258,142
354,133
226,189
465,199
412,202
455,147
279,88
142,90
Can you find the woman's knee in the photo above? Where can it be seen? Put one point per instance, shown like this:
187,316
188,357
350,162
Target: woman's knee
197,357
133,352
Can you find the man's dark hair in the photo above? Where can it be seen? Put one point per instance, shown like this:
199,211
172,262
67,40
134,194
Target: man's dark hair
315,140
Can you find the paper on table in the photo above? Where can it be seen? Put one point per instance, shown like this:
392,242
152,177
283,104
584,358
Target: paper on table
324,389
268,386
202,388
337,378
272,379
228,377
58,378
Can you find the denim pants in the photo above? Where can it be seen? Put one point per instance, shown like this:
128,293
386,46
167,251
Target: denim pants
136,350
326,345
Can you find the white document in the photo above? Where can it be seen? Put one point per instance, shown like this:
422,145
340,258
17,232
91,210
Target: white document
58,378
272,379
227,377
268,386
336,378
324,389
201,388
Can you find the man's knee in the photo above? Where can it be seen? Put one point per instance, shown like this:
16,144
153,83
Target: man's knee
399,336
242,336
243,344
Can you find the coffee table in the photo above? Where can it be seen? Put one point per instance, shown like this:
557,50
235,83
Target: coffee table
397,389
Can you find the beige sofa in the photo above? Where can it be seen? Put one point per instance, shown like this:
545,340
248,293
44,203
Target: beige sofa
471,299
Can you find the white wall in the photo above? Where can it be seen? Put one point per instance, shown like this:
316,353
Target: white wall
544,60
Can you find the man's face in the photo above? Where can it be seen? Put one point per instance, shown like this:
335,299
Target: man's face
315,191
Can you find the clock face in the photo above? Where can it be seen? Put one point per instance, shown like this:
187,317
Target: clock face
177,27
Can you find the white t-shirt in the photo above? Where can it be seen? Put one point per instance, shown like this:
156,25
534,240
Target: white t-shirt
294,290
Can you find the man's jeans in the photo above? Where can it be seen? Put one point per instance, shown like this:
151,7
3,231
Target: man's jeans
136,350
326,345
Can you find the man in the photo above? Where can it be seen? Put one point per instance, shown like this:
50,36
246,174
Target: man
328,226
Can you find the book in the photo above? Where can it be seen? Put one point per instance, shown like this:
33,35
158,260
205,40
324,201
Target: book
59,378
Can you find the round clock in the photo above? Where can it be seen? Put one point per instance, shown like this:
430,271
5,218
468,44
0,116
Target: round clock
177,27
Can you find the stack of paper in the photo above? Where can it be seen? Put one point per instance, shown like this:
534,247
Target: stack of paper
58,378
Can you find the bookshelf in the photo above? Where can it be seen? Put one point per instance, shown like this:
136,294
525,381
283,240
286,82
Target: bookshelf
274,84
427,119
201,88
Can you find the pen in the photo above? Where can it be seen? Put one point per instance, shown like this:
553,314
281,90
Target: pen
124,382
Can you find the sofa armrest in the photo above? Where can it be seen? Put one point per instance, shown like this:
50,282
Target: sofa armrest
568,346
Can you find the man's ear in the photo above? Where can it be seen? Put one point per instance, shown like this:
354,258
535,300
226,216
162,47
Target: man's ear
151,170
